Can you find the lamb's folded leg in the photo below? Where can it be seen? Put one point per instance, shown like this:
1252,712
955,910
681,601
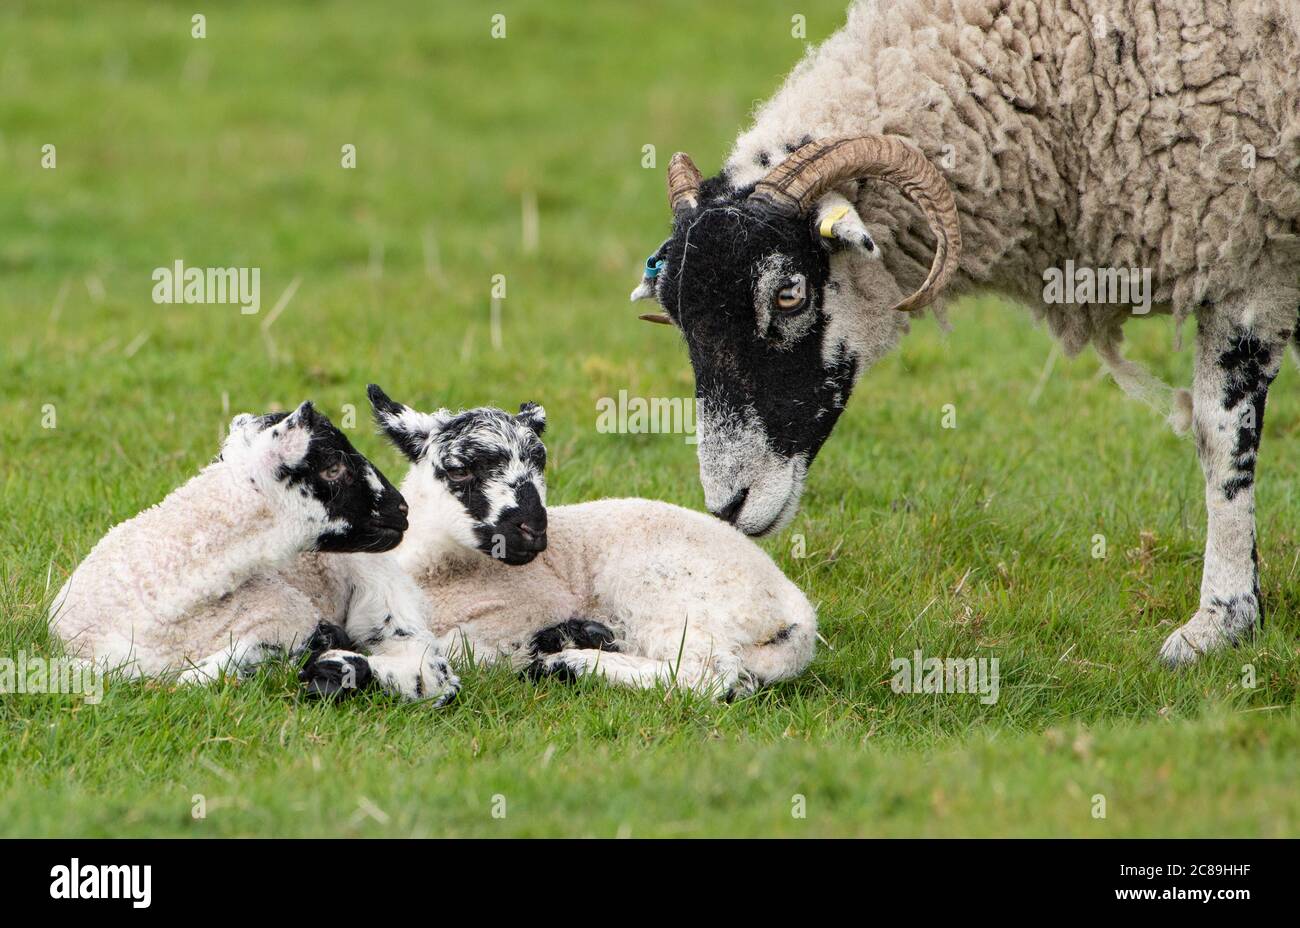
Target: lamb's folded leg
714,676
387,616
1235,364
259,619
236,659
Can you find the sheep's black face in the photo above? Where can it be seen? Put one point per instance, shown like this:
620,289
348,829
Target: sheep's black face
749,289
363,511
488,465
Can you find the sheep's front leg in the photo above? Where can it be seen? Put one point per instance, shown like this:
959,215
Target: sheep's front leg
387,616
1234,366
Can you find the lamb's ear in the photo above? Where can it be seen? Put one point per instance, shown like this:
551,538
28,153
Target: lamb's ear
838,224
290,438
406,428
243,421
305,416
243,429
533,416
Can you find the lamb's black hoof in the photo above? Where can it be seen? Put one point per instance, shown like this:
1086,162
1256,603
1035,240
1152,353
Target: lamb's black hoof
327,636
592,634
574,633
324,637
447,698
336,677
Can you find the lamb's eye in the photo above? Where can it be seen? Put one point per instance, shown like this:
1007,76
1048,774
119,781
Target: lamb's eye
459,474
794,295
334,472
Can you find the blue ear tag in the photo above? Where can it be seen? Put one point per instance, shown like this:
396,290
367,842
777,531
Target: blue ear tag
652,267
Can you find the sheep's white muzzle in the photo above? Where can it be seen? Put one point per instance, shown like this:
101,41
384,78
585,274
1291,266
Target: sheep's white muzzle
745,482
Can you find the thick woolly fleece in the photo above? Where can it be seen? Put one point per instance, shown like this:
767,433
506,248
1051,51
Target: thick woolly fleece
689,599
1113,133
220,574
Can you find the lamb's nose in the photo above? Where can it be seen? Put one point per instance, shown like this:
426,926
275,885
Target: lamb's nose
403,508
529,532
730,512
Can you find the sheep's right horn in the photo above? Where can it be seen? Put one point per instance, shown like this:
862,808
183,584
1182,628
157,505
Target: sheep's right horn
683,182
795,185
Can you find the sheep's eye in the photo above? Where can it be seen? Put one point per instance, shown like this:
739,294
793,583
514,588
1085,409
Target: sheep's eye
794,295
334,472
459,474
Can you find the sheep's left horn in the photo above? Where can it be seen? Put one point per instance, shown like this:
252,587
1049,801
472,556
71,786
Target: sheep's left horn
683,182
795,185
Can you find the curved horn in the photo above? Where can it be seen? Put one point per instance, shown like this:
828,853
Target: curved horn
683,182
794,185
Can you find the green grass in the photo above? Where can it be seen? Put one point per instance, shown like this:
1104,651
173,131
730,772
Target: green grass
974,541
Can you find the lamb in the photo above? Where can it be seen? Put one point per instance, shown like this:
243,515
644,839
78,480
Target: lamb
248,557
1010,139
640,592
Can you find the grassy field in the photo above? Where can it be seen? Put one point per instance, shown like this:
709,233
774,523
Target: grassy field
976,541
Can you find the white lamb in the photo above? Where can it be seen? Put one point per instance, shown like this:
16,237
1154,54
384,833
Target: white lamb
248,557
639,591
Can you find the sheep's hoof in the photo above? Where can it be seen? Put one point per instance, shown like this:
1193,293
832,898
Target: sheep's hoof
442,686
1208,630
746,685
326,636
448,697
336,675
582,634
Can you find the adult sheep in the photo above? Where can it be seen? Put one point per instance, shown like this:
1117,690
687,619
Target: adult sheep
949,146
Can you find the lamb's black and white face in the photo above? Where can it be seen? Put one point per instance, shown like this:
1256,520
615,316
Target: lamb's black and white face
771,314
484,470
312,472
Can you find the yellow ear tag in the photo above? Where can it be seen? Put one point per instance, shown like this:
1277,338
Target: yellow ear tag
831,218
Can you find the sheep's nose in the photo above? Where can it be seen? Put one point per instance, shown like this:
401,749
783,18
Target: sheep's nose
403,508
731,511
530,532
